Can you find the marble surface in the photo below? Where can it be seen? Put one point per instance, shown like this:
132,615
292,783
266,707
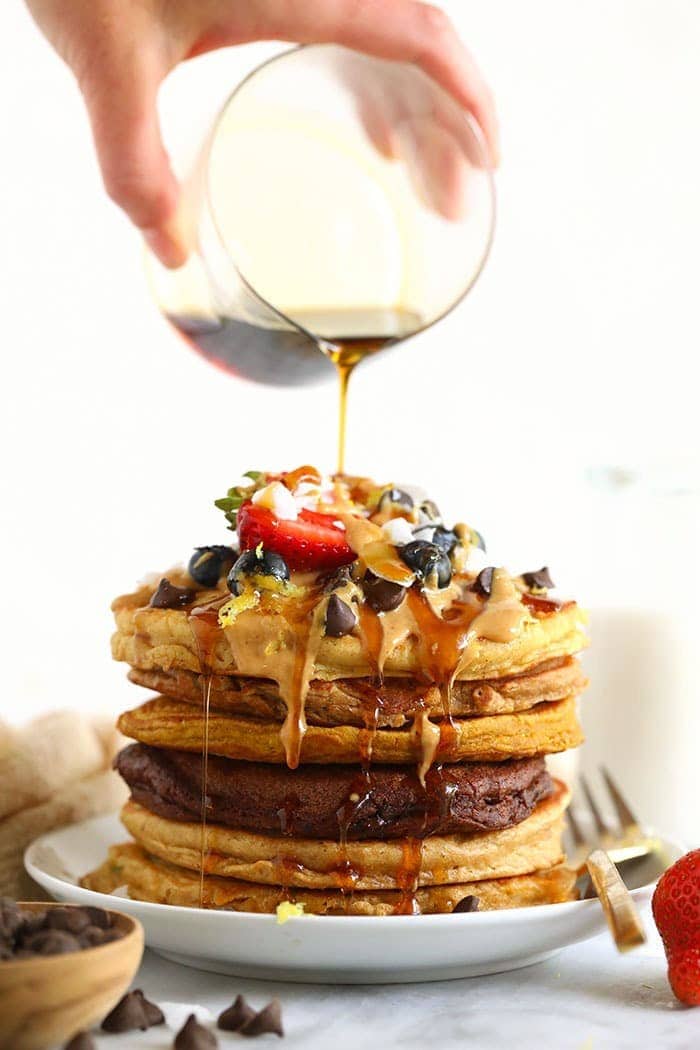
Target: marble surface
587,998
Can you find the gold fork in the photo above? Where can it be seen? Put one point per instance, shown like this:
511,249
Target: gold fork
626,842
627,845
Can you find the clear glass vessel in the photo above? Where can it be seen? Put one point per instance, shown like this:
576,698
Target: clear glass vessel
337,198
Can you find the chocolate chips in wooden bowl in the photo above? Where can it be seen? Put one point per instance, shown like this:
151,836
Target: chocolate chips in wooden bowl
55,931
73,962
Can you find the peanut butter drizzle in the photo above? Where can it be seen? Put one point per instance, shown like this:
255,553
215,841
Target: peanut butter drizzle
429,738
289,663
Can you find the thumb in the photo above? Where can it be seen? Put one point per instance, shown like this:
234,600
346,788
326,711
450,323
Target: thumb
121,97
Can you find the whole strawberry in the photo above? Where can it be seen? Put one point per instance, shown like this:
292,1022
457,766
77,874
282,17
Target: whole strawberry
676,908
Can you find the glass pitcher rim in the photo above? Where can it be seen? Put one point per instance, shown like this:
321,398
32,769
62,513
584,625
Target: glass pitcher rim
474,129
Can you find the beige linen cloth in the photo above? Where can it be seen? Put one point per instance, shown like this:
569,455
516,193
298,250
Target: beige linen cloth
54,771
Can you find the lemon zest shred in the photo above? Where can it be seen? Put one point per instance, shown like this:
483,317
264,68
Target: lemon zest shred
288,910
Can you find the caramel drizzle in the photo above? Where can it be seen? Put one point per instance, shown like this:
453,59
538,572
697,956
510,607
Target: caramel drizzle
204,624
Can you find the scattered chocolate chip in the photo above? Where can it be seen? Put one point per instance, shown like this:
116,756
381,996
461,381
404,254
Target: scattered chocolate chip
50,942
484,581
340,618
81,1041
469,903
11,918
169,596
127,1015
154,1014
539,580
237,1015
267,1022
382,595
194,1036
71,920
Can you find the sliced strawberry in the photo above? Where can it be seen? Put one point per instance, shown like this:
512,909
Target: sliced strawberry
311,542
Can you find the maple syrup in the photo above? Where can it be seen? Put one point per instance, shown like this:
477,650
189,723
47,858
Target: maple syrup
290,357
348,337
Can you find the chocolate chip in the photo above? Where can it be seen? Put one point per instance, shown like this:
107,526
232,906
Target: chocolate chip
31,922
469,903
11,918
194,1036
92,936
71,920
169,596
154,1014
50,942
5,949
382,595
484,582
339,578
267,1022
340,618
98,916
431,510
539,580
127,1015
396,496
237,1015
81,1041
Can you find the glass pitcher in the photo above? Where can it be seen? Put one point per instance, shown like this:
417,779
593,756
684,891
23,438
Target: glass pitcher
337,197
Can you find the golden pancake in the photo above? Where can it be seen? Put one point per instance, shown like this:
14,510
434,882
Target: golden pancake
148,879
532,845
358,702
153,639
544,729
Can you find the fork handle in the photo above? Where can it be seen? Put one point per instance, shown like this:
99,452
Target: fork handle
620,910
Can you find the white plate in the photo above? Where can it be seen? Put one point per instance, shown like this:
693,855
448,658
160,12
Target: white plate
326,949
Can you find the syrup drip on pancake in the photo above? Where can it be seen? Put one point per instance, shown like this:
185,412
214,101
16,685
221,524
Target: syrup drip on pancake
408,875
204,624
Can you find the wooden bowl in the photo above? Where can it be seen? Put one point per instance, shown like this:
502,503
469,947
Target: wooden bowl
45,1000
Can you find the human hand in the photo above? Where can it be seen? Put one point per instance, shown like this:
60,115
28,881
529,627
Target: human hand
121,50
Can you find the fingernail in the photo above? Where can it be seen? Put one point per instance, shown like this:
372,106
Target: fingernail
169,249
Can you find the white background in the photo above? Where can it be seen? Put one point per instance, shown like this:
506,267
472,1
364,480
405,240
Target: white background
577,346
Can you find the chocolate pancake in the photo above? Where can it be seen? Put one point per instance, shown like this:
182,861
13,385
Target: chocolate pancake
323,802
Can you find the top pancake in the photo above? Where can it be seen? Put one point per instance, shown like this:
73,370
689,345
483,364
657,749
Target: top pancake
153,639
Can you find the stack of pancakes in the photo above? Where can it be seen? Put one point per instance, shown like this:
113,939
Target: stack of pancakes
397,769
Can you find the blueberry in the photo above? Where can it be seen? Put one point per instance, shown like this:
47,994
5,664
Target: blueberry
382,595
445,539
396,496
428,561
340,618
208,564
250,563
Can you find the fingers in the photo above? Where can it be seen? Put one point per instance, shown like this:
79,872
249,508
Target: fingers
121,97
400,30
